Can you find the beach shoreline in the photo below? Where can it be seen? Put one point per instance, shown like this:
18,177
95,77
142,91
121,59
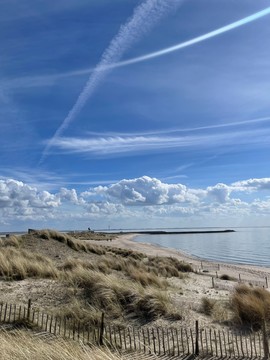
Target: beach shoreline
238,271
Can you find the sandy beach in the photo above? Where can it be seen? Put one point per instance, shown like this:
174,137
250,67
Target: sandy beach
204,282
249,272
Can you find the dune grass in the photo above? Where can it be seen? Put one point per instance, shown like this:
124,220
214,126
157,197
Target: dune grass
123,283
164,266
19,264
118,297
207,306
251,306
21,345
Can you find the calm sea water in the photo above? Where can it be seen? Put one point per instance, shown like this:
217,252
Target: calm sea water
245,246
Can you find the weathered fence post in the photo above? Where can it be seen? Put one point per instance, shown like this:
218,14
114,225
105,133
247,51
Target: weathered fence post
213,282
29,308
266,282
197,337
101,329
265,341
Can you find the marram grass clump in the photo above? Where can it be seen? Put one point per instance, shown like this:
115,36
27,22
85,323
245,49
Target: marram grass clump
19,264
21,345
251,306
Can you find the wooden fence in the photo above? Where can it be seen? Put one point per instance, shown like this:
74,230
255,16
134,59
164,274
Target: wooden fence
148,340
212,267
60,326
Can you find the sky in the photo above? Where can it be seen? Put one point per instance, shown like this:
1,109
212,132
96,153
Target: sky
131,114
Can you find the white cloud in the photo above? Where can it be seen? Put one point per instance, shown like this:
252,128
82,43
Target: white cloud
17,194
252,184
220,192
147,191
140,201
105,208
131,145
70,195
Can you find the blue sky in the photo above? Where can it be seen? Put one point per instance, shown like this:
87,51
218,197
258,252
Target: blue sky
177,140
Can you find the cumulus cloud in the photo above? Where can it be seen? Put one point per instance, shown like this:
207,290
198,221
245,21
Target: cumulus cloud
252,184
70,195
147,191
144,199
105,208
16,194
220,192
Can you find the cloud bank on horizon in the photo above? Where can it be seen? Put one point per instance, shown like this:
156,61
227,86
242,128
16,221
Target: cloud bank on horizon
142,197
145,17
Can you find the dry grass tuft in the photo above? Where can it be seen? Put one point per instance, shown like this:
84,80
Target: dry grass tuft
55,235
251,306
207,306
168,266
118,297
11,241
20,264
79,311
217,309
21,345
145,278
73,264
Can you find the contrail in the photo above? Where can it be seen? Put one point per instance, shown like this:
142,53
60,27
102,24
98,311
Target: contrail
144,18
158,53
127,36
193,41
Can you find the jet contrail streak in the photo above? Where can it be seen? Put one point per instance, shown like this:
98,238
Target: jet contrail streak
193,41
126,37
144,18
173,48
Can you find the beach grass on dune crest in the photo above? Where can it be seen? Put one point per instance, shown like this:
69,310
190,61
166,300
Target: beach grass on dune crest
165,266
18,264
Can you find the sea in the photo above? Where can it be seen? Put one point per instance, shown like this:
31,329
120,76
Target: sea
244,246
